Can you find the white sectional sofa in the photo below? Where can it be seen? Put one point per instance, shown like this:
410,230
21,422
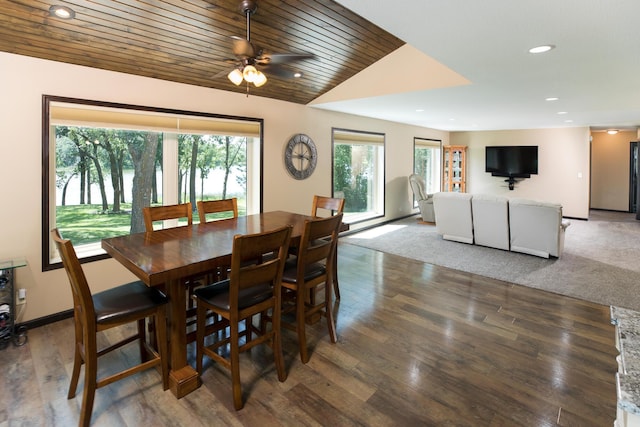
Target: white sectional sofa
490,221
453,216
519,225
537,228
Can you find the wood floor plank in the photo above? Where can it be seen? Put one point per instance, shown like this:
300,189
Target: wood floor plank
417,345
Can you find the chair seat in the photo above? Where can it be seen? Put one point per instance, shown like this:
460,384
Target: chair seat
217,295
312,271
126,300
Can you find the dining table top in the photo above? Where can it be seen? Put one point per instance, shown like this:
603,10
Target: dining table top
174,253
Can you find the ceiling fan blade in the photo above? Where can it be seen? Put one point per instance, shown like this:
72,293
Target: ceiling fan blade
242,48
222,73
278,71
283,58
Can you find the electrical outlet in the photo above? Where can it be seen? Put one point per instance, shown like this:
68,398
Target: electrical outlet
21,296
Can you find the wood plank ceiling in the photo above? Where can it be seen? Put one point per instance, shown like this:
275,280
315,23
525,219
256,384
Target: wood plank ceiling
188,41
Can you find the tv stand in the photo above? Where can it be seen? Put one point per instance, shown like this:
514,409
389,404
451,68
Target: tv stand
512,182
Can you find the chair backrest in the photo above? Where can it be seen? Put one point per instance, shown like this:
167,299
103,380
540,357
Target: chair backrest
331,204
318,242
216,206
250,269
418,186
82,300
160,213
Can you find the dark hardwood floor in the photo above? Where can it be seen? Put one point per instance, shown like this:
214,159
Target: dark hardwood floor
417,345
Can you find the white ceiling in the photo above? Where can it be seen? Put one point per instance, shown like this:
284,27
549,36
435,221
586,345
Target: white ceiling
477,74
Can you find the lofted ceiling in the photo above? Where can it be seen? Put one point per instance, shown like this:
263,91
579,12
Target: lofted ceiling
188,41
594,70
450,65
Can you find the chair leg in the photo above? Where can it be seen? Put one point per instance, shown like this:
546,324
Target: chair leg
77,359
90,381
235,366
336,288
201,317
276,340
300,327
142,337
328,311
75,374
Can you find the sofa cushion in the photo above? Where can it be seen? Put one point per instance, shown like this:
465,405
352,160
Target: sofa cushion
490,221
536,227
453,216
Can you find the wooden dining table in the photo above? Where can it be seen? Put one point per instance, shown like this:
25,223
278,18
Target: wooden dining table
168,257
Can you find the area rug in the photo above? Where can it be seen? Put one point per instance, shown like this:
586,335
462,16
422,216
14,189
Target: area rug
600,262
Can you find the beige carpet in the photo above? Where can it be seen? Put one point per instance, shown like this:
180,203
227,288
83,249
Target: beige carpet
600,263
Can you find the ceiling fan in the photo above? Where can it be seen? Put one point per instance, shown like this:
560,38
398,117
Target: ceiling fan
250,59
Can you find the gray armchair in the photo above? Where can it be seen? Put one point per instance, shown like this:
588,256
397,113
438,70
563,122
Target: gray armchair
425,201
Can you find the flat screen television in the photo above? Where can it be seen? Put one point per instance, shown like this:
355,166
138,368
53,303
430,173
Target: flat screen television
512,161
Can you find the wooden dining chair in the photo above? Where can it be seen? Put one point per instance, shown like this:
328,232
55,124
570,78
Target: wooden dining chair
206,207
322,204
132,302
304,275
330,204
161,213
253,287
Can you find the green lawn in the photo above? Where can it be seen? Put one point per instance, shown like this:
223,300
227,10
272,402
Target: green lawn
84,224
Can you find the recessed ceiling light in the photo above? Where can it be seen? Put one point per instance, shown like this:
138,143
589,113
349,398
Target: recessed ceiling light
552,98
297,75
62,12
562,112
541,49
568,121
419,110
612,131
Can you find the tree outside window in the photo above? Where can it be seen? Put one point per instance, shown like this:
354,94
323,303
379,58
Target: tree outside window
104,171
427,160
358,173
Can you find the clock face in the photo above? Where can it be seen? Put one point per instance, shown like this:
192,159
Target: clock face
300,156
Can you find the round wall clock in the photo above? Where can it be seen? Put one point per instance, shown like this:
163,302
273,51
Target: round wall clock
300,156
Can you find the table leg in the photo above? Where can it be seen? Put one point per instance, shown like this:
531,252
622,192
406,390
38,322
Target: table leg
183,379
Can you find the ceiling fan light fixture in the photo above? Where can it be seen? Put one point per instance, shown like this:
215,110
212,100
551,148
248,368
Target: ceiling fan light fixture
260,79
235,76
249,73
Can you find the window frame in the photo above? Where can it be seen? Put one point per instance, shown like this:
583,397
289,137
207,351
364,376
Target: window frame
429,142
47,100
363,136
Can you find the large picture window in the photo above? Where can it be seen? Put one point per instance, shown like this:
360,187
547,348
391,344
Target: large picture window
427,158
104,162
358,173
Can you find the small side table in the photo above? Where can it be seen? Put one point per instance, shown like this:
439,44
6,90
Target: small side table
8,330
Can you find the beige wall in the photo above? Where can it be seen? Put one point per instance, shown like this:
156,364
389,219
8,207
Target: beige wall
610,170
24,80
563,166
